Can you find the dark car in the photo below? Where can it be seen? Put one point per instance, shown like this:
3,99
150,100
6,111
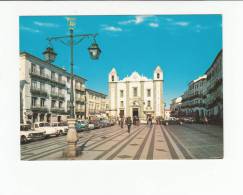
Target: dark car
172,122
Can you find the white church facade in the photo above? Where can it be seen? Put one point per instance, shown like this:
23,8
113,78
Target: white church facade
136,95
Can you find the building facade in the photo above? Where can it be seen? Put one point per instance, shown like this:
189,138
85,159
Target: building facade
96,104
193,100
214,100
175,107
136,95
45,91
204,96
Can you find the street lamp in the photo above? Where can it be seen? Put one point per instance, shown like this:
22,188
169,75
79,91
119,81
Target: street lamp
50,55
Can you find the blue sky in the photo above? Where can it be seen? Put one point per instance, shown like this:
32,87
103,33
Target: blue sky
183,45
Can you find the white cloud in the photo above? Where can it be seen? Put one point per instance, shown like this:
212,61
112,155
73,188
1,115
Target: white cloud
111,28
137,20
153,24
29,29
46,24
183,24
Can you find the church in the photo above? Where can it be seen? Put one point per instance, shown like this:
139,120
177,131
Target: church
136,95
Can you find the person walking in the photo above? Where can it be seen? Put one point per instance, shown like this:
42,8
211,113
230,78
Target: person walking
122,122
205,120
129,124
150,122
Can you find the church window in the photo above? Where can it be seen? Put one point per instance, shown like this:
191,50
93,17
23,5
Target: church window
148,92
157,75
135,91
112,78
121,93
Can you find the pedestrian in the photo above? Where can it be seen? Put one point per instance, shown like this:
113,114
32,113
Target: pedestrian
122,122
205,120
129,124
150,123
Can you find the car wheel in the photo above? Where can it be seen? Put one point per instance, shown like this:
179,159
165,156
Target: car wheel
61,132
23,140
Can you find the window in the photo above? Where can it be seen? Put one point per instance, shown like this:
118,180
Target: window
122,104
53,89
53,103
149,103
60,104
112,78
34,84
158,75
59,78
53,75
135,91
68,79
42,72
33,101
33,68
121,93
42,86
148,92
42,102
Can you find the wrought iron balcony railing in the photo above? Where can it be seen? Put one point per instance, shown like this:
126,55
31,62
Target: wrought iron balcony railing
38,91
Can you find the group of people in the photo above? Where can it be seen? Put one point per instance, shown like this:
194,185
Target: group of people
128,122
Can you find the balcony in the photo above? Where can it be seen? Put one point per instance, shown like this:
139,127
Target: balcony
79,110
214,86
38,108
57,81
192,97
58,110
37,74
38,91
214,102
79,88
80,100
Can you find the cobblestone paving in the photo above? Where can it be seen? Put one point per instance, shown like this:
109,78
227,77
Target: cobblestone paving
143,143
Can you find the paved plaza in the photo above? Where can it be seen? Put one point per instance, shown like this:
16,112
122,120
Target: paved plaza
188,141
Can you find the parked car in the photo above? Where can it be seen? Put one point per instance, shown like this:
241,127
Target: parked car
172,122
96,124
51,130
188,120
81,125
27,134
63,128
91,126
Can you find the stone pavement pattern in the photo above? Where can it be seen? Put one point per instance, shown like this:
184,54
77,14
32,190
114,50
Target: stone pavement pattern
115,143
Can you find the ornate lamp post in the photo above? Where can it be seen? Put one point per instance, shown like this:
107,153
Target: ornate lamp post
50,55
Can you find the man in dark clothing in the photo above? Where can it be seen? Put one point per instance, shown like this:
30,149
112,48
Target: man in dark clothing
129,124
150,123
122,122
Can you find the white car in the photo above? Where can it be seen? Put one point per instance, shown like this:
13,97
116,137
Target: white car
61,127
51,130
27,134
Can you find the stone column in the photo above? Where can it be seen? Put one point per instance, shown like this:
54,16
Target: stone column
72,138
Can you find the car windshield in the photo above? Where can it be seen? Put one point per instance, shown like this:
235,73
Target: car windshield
25,128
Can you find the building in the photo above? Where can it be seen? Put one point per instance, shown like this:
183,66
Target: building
214,100
175,107
136,95
96,104
45,91
193,99
204,96
167,114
